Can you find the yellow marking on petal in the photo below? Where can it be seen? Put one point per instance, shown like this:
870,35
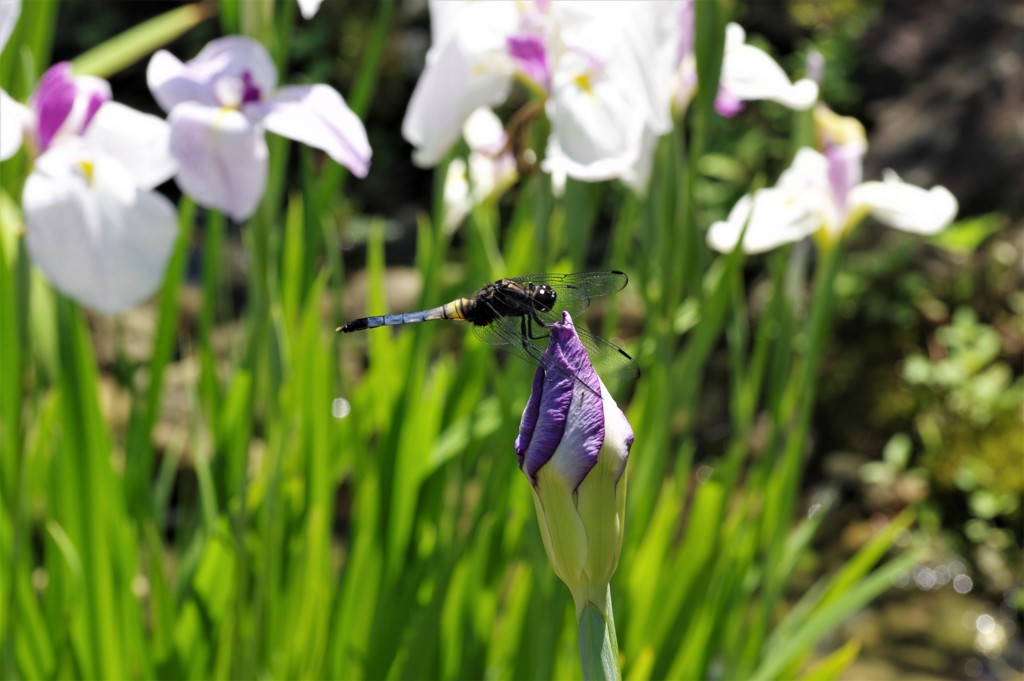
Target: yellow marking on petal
835,128
583,80
222,113
87,170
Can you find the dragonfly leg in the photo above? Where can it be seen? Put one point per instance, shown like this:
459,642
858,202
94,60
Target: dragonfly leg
525,330
528,330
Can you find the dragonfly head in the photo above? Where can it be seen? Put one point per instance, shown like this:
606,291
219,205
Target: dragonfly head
544,298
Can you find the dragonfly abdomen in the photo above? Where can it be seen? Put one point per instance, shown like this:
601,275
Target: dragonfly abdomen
455,310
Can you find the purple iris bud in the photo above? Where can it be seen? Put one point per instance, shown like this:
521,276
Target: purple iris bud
551,403
573,446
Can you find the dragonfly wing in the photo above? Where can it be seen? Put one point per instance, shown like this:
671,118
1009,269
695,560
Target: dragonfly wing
608,359
502,331
580,286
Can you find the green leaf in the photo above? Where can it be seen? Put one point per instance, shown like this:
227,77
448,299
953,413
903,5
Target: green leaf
112,56
966,236
834,664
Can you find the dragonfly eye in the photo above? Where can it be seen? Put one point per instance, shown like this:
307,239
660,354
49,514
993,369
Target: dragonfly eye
544,298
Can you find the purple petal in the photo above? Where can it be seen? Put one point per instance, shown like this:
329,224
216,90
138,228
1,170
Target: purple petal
317,115
222,158
250,91
548,409
93,100
845,168
530,54
65,104
53,99
726,104
562,414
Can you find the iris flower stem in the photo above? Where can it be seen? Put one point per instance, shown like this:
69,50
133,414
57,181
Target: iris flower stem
213,259
818,327
598,643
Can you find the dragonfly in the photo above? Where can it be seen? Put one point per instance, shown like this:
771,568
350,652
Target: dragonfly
514,313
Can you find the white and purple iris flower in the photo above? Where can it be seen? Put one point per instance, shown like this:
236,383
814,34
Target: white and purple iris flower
600,68
93,223
748,73
821,194
219,105
573,447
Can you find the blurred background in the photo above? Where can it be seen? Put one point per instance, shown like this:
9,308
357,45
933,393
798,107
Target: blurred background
921,399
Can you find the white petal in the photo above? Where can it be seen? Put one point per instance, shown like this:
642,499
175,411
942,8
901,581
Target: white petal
809,170
482,24
638,175
317,115
749,73
483,131
309,8
597,127
98,238
171,83
775,218
222,158
13,119
467,70
139,141
611,87
490,176
905,206
9,11
635,41
224,60
457,201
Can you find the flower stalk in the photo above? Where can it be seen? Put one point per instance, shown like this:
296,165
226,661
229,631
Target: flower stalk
598,644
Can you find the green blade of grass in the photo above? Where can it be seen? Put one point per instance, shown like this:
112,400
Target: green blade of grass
113,55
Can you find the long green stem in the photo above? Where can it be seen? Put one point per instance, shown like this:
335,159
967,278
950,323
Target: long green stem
598,643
